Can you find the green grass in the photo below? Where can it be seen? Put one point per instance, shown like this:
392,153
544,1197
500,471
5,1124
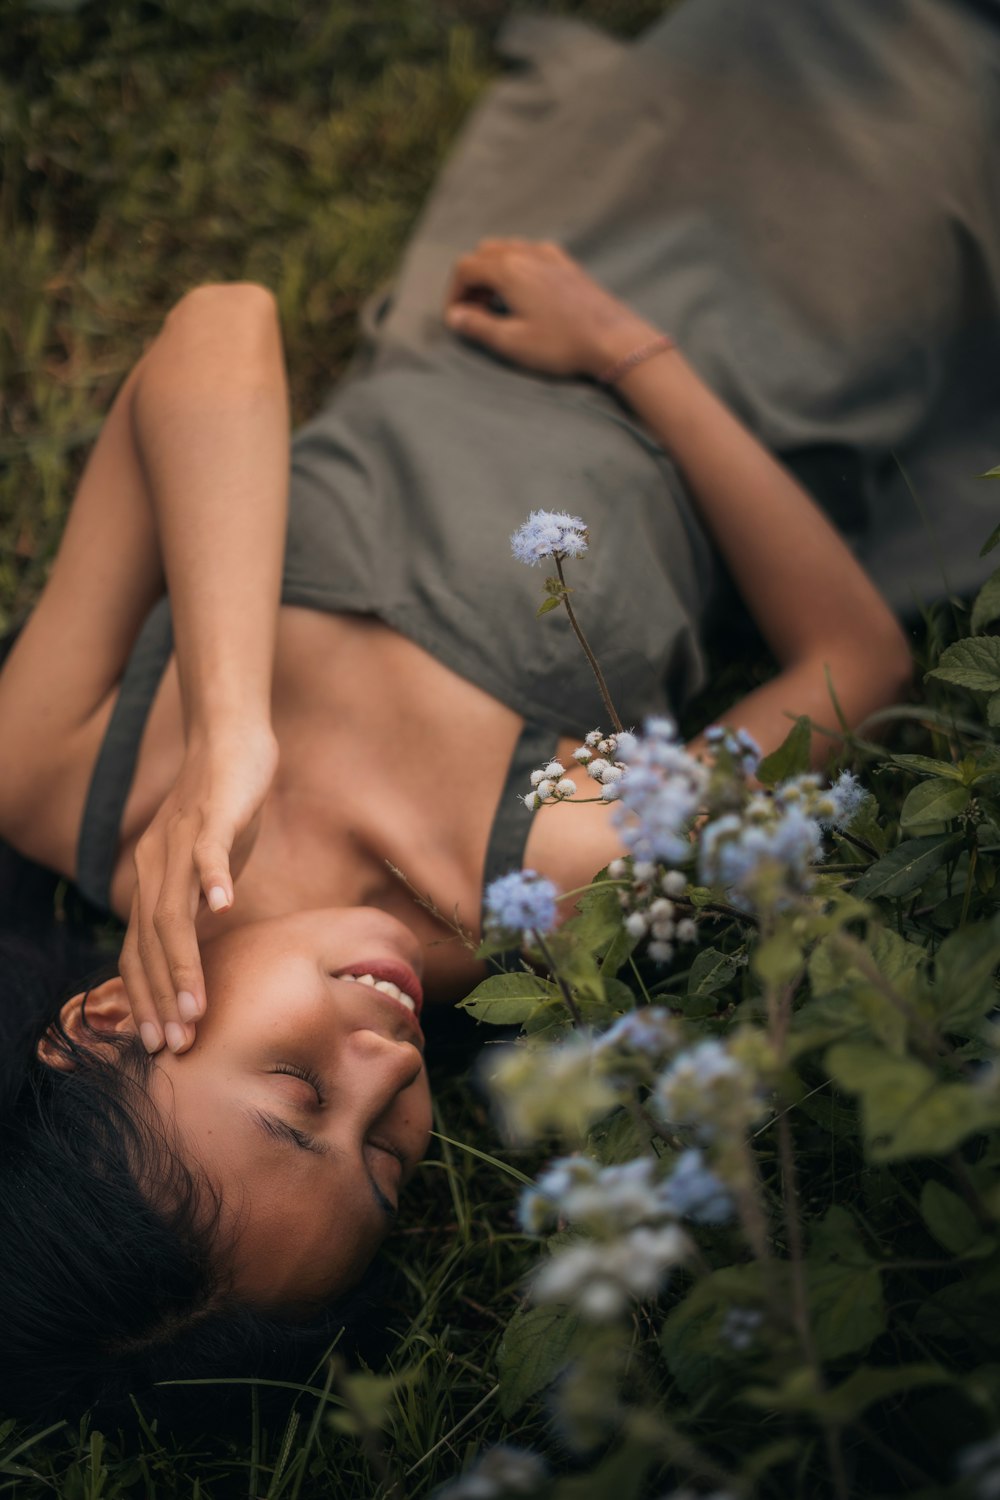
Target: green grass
149,145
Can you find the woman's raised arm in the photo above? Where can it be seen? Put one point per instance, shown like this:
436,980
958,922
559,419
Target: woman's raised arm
188,484
820,614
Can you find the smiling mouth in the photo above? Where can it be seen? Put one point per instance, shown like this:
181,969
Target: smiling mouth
390,977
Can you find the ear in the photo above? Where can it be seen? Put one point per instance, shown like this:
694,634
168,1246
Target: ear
104,1009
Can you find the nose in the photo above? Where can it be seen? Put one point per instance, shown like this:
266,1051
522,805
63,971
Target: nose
378,1067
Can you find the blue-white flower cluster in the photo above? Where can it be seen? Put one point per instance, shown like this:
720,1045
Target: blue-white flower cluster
661,792
549,533
740,1326
500,1471
522,901
630,1212
739,745
600,1278
767,850
649,1033
709,1090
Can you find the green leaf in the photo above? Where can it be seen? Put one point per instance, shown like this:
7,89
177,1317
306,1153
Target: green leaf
907,866
792,756
924,765
987,606
844,1403
696,1355
952,1222
599,919
933,802
547,605
711,971
993,540
905,1111
964,987
534,1349
972,663
844,1288
507,999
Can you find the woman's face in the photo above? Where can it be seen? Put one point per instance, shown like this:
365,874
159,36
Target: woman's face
304,1098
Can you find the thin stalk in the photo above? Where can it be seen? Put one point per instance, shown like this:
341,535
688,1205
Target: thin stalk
564,988
594,664
969,882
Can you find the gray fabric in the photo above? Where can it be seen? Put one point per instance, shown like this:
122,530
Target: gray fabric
111,779
805,193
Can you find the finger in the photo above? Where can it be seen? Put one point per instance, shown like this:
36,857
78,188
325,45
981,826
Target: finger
150,859
140,997
211,861
173,920
496,331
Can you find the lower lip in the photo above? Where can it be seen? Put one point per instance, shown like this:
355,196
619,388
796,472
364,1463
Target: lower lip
398,973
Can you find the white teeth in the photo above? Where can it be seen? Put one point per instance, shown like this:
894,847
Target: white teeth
385,985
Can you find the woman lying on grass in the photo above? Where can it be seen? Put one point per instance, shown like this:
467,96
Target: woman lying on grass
204,1151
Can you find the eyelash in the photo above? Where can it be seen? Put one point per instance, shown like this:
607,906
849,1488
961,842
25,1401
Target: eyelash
307,1075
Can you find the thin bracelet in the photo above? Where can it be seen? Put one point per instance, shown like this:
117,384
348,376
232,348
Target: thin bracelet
637,357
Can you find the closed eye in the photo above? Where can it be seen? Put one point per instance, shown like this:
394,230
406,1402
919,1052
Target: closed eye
281,1130
291,1070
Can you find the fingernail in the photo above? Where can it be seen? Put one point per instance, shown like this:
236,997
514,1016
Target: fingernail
150,1036
188,1006
218,897
176,1036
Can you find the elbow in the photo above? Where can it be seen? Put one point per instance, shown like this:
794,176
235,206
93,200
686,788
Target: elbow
229,302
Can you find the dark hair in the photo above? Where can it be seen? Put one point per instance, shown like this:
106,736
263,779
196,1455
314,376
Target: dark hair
104,1294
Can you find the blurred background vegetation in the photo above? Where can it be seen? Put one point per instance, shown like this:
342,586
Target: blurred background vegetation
149,145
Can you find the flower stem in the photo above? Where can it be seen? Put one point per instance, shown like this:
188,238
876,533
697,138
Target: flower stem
564,988
594,664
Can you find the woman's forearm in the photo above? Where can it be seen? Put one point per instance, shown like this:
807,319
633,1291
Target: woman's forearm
842,652
211,428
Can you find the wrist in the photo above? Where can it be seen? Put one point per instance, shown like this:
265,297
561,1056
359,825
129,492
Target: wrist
617,340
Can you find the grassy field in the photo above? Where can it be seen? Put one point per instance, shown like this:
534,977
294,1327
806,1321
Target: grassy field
149,145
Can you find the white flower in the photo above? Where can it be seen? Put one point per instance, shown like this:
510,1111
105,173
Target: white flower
617,869
612,773
660,953
643,869
674,883
635,925
611,792
593,738
597,766
532,801
545,787
582,754
662,931
536,777
661,910
566,787
555,769
687,931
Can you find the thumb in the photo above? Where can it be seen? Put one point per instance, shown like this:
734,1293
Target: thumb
478,323
211,860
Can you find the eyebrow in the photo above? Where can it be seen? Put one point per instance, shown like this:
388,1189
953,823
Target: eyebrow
281,1130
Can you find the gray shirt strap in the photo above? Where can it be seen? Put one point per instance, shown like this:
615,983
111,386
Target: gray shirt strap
115,767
